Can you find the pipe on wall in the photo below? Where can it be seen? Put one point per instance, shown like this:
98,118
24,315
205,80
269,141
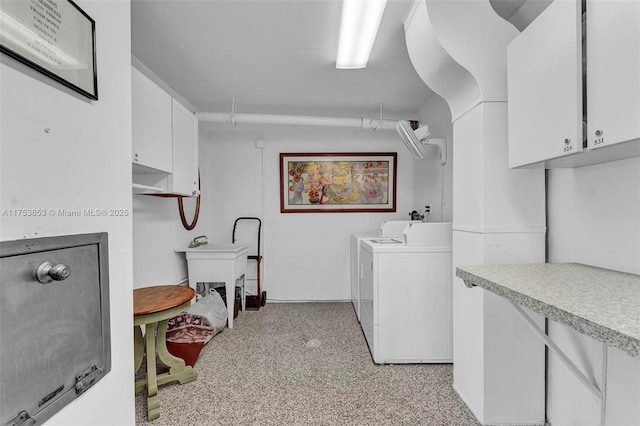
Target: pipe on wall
297,120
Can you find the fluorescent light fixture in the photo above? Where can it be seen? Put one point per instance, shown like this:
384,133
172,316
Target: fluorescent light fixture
358,30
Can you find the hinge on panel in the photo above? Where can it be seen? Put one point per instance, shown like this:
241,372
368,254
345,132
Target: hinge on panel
22,419
86,378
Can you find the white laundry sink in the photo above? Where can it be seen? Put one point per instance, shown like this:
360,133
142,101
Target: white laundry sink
428,234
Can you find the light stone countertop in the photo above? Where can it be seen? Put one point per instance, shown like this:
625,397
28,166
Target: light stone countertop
599,303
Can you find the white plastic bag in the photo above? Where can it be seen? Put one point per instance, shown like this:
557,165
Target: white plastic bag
213,308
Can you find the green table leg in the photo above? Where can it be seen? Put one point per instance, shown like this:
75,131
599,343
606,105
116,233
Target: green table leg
153,400
178,370
138,348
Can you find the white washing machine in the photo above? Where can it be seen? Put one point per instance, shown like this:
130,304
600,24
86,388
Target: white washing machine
389,228
354,253
406,295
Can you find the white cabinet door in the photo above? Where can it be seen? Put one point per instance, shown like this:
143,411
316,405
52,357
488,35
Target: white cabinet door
151,116
184,177
545,86
613,71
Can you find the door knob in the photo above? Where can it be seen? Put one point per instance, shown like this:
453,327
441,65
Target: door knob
48,272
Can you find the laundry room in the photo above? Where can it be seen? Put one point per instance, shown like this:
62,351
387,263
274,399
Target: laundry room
428,235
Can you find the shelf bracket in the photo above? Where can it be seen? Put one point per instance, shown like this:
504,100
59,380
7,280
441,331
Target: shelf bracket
598,392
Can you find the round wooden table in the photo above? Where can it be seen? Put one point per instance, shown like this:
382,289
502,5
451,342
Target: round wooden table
153,305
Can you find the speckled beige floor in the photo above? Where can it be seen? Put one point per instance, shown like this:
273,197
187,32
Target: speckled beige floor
305,364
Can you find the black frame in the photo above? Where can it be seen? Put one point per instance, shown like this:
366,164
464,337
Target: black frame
50,73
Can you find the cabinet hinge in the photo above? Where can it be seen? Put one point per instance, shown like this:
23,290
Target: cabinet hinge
86,378
22,419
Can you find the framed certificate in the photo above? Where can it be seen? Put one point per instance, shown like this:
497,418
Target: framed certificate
55,37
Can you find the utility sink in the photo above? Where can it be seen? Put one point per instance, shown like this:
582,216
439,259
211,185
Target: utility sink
428,234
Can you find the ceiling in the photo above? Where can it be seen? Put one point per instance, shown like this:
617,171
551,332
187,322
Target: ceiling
277,57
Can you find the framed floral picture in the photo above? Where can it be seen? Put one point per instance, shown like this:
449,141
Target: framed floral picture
337,182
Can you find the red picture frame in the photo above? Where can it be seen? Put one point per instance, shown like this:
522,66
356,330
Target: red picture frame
351,182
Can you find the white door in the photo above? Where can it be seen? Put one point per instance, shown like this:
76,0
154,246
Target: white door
613,77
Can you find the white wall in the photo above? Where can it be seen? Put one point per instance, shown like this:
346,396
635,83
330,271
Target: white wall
82,161
433,183
498,218
157,232
306,255
594,218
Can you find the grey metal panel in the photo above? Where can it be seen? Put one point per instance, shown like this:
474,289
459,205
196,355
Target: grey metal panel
50,333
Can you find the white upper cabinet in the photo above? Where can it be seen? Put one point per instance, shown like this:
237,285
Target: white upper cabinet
151,115
544,69
184,179
549,123
613,72
165,141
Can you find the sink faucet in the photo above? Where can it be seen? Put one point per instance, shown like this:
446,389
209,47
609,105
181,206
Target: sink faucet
427,213
198,241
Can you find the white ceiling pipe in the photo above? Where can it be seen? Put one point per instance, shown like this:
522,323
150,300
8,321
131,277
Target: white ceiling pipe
297,120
